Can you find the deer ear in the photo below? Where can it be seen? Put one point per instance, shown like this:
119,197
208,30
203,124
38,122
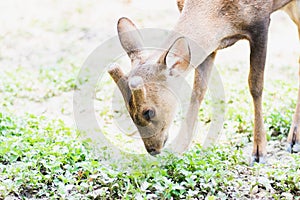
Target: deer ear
177,57
130,38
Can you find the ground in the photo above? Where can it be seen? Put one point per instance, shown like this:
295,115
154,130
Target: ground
43,47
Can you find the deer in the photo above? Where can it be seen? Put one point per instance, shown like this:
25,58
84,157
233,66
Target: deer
213,25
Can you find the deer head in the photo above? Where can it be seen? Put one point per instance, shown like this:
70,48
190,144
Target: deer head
145,88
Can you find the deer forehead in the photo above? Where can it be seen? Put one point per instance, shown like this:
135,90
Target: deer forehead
149,74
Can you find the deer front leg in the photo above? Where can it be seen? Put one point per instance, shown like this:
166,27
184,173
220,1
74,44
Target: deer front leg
258,45
201,78
202,74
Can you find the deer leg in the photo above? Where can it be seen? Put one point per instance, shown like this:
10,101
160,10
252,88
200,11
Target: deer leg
258,45
202,73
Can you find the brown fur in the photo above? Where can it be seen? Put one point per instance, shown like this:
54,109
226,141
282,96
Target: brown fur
213,25
250,20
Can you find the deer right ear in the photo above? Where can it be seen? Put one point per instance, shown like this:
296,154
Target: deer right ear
130,38
180,54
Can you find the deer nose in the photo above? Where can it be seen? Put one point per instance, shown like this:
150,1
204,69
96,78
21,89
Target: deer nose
153,152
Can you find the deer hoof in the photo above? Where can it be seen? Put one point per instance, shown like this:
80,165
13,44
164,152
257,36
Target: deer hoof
293,148
289,148
257,159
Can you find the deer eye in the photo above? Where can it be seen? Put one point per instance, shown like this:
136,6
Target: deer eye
149,114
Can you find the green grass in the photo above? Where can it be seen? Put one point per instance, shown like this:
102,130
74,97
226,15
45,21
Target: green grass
42,158
36,84
45,159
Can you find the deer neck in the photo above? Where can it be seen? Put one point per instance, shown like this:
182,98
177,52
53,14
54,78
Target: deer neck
205,29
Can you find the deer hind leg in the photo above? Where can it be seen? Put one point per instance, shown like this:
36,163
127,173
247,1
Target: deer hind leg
258,45
293,10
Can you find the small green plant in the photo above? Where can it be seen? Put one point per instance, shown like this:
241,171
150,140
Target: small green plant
45,159
37,85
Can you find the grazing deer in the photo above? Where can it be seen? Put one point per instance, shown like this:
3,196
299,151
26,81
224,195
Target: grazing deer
213,25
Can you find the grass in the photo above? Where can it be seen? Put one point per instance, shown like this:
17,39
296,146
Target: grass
43,158
46,159
37,84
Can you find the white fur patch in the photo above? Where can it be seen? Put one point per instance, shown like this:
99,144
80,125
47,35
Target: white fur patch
136,82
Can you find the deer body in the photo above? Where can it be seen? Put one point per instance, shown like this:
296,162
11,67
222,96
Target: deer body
213,25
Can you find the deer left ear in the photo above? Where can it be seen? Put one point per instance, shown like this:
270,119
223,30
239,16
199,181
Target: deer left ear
130,38
178,57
